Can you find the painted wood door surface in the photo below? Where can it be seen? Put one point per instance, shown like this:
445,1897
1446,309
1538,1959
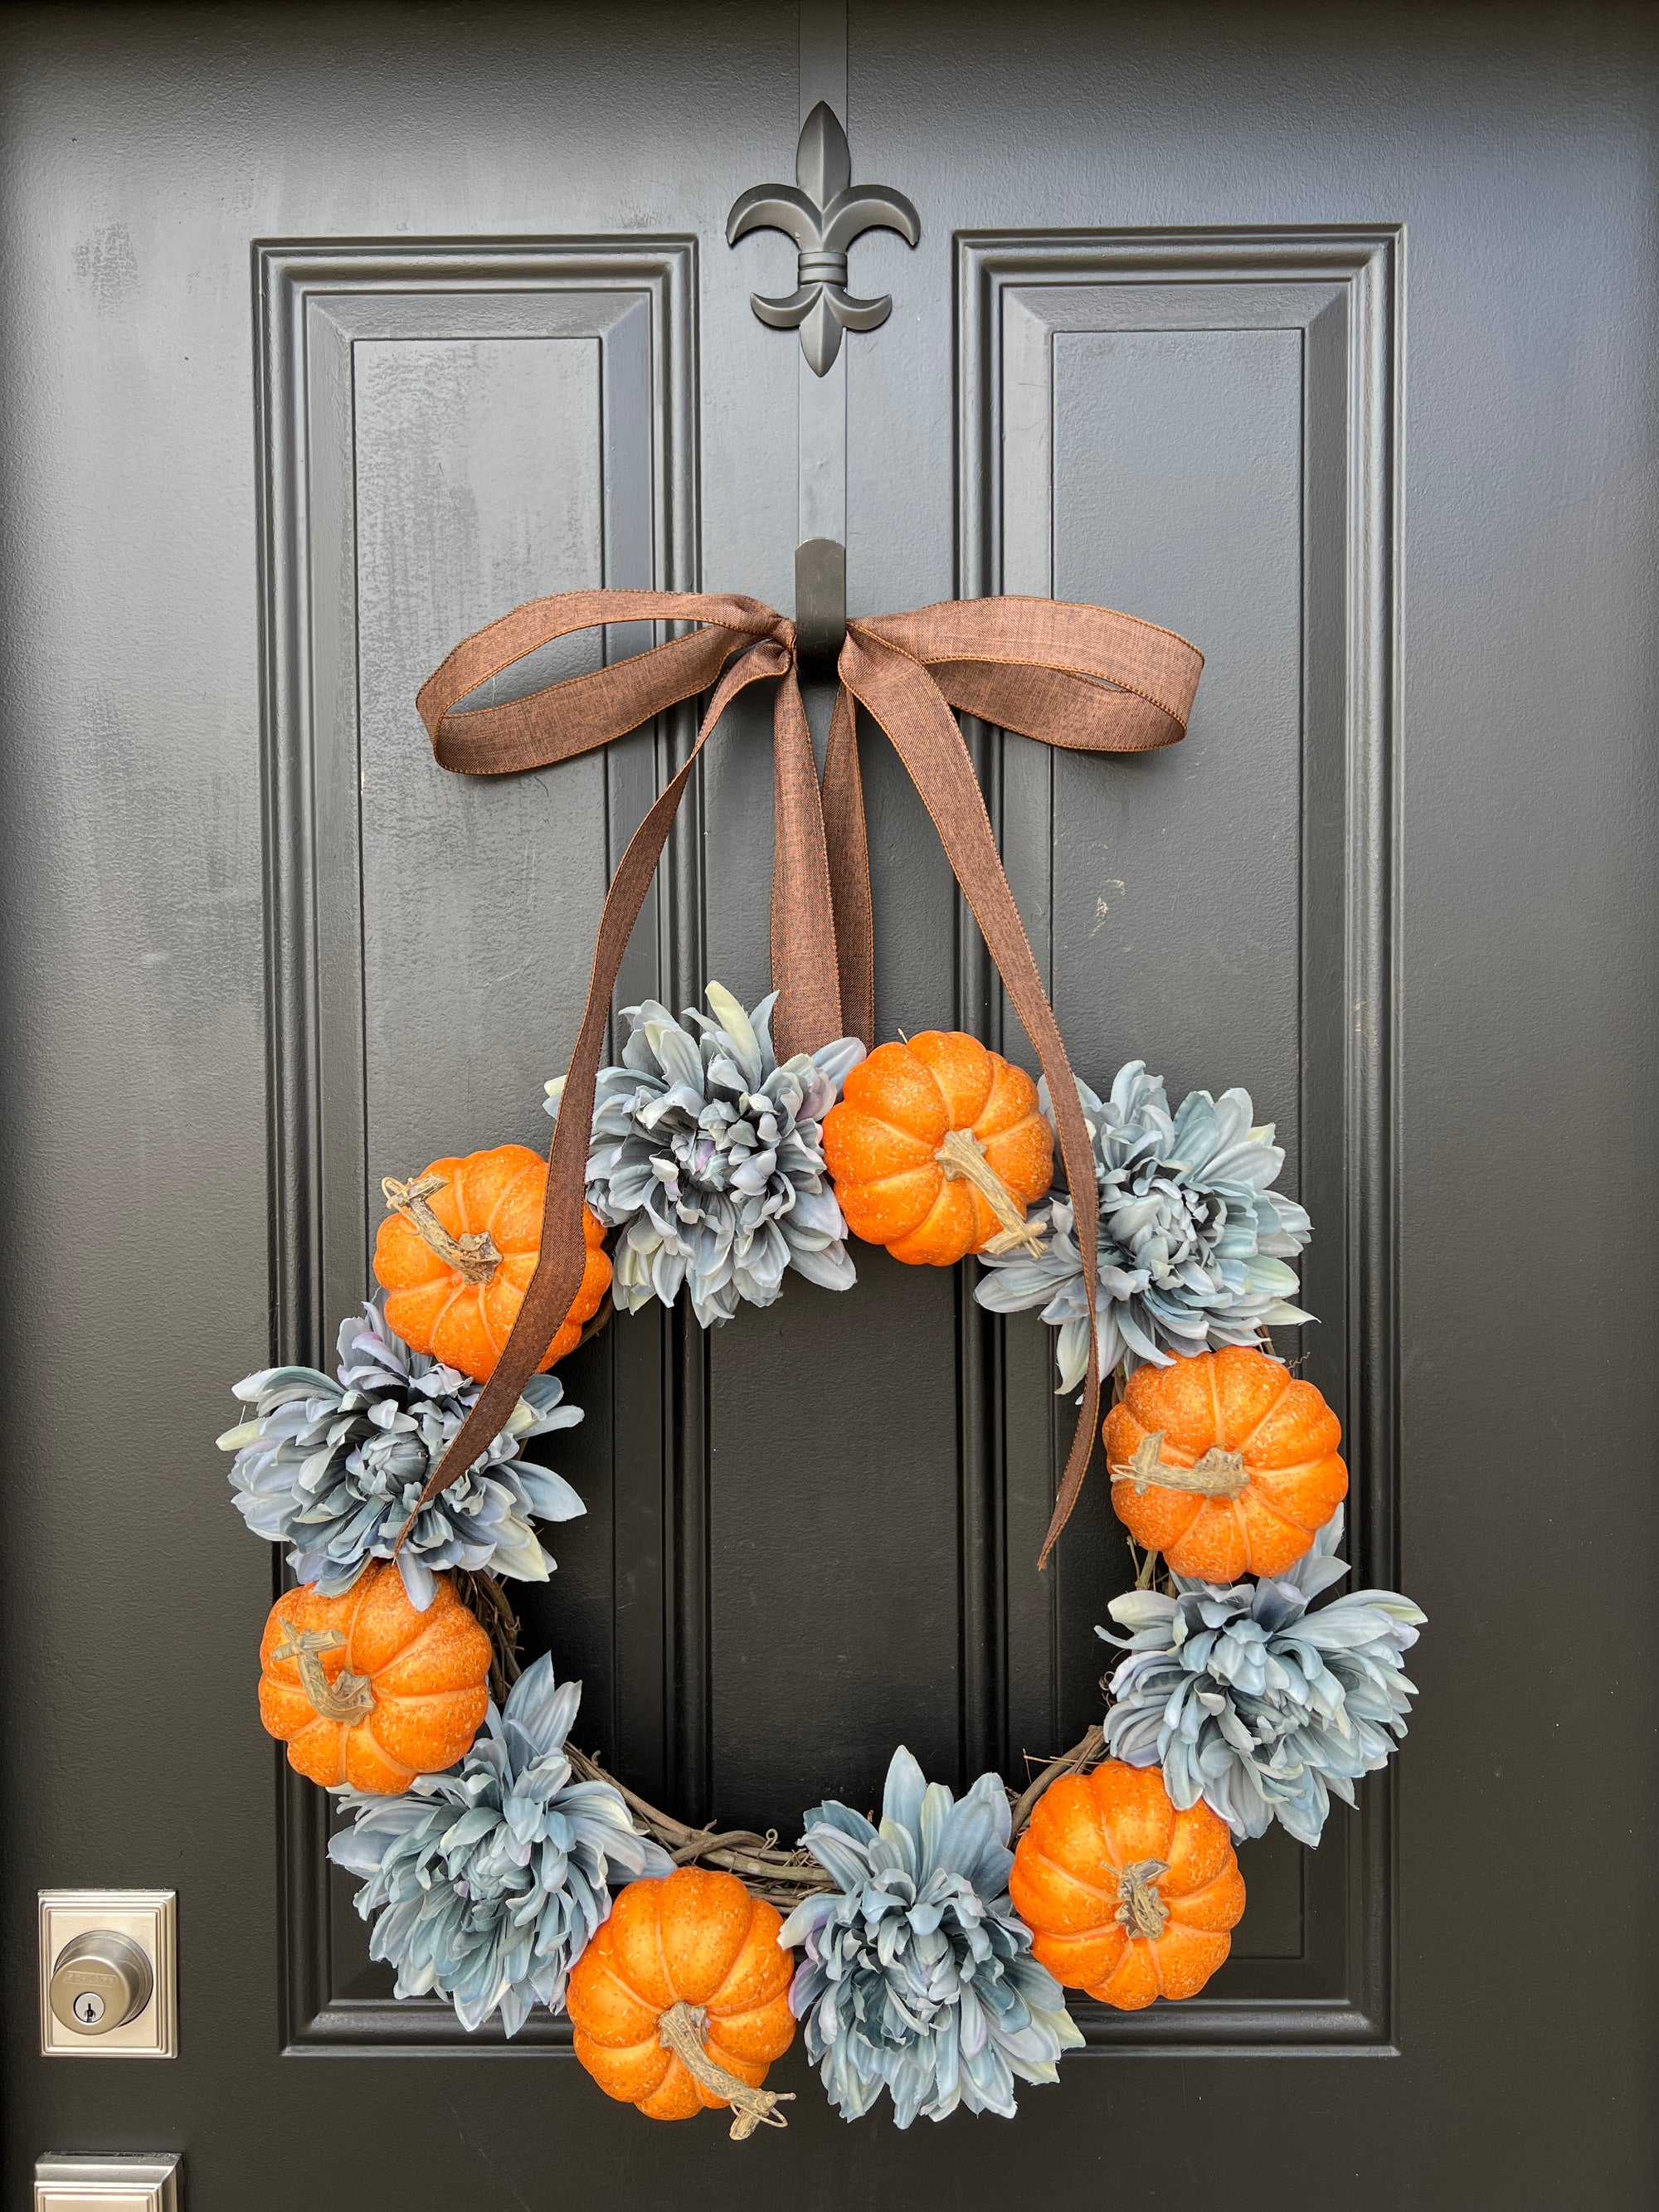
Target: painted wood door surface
1323,336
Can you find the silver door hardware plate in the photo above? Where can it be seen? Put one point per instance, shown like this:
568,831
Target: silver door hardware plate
109,1976
108,2184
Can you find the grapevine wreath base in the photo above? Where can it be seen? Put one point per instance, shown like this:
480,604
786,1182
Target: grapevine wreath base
925,1954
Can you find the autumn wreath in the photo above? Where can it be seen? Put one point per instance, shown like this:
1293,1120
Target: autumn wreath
926,1953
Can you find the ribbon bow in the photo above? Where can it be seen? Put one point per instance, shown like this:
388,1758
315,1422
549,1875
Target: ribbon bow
1078,676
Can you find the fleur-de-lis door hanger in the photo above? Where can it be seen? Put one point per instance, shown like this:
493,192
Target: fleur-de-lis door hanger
824,215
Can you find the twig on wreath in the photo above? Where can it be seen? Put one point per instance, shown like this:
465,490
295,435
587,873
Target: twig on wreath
782,1877
488,1602
1083,1754
601,1319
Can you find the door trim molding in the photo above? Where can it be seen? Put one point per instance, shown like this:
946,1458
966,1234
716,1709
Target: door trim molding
1342,286
313,299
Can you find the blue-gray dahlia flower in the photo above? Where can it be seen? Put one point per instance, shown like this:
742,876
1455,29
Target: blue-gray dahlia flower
335,1468
1193,1239
490,1880
918,1977
1248,1700
708,1157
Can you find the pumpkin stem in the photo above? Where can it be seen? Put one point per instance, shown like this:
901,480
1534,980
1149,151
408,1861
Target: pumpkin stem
347,1697
963,1157
473,1257
1141,1909
1218,1474
681,2030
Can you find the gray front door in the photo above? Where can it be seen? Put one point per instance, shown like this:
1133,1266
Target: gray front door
1322,337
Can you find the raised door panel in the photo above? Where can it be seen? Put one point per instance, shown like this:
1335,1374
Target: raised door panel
1195,429
445,434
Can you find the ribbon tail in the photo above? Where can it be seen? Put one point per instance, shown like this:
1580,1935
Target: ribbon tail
559,1267
804,964
909,706
1077,1459
847,843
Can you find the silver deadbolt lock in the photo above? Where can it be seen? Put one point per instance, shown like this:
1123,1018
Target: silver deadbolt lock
100,1981
108,1973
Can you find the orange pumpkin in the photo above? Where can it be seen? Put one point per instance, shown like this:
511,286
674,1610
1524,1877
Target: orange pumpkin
1127,1898
365,1690
937,1148
456,1257
680,2001
1224,1463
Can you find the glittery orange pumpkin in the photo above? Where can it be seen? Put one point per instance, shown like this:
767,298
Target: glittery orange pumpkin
456,1261
1248,1459
1127,1898
367,1690
683,1985
937,1148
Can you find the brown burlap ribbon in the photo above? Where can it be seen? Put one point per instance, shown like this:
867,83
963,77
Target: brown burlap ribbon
1078,677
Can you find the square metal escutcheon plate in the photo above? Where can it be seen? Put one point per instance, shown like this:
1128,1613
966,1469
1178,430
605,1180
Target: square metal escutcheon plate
146,2183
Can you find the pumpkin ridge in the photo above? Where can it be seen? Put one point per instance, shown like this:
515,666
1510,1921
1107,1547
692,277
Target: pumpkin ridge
459,1283
1244,1443
1235,1506
603,1965
1175,1898
718,2011
1215,1403
1300,1467
939,1087
431,1620
1108,1845
1267,1474
613,1974
501,1197
1152,1950
662,1959
389,1757
897,1128
1106,1897
737,2063
1200,1506
1269,1503
428,1623
943,1197
427,1697
459,1184
1170,1454
489,1222
875,1182
359,1597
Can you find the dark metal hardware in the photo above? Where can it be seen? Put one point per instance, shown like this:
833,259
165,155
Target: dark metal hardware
820,606
824,215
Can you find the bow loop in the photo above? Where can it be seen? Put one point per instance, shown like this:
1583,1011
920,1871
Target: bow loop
1078,676
583,712
1052,634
